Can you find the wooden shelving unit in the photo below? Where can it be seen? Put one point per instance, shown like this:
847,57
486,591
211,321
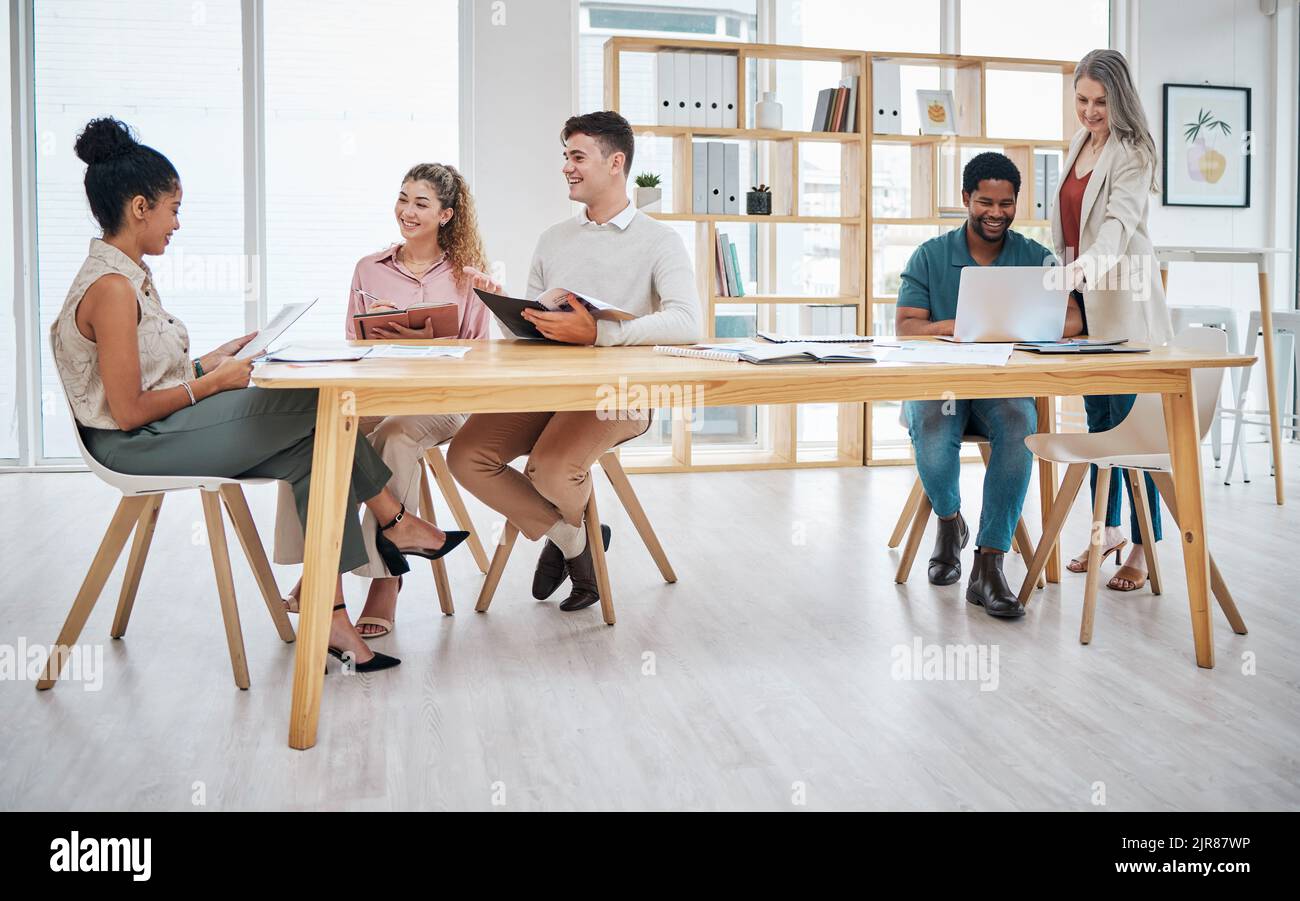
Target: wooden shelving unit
778,445
935,162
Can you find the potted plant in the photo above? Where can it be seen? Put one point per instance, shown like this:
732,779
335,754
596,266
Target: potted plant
648,193
758,202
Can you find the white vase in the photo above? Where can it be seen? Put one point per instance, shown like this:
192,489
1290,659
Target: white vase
648,199
767,112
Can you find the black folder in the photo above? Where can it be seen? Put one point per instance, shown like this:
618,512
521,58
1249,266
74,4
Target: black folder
509,311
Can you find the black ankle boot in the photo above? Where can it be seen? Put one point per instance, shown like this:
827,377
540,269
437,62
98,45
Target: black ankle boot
945,562
988,587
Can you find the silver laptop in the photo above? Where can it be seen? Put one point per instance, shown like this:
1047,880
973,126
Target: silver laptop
1010,304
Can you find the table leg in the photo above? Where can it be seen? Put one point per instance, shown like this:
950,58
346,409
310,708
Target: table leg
1270,379
1185,451
336,430
1047,484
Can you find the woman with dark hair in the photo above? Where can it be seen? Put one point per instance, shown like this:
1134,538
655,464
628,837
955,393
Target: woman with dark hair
440,258
1099,226
145,407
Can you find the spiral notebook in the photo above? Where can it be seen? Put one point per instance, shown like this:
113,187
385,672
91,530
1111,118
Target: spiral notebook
775,353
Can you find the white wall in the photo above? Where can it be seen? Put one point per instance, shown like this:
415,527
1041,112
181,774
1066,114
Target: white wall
1226,42
522,88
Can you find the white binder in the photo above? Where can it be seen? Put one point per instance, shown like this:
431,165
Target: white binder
681,88
699,177
1053,179
699,89
731,179
713,113
729,98
886,99
715,175
1040,186
664,93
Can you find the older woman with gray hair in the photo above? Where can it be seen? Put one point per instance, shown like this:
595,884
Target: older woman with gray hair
1099,228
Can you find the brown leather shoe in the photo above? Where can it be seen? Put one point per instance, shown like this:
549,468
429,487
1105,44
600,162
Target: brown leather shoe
582,574
550,573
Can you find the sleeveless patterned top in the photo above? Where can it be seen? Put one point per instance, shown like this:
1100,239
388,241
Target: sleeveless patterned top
164,341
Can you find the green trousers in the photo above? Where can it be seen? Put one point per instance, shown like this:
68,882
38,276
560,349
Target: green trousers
248,433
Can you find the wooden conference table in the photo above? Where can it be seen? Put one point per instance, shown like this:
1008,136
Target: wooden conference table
518,376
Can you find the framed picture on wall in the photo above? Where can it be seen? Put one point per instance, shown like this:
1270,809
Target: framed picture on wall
1206,146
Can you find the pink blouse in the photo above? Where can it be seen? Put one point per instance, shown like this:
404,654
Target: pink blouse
383,276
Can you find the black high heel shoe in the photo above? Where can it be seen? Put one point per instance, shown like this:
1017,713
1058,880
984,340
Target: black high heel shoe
373,665
395,557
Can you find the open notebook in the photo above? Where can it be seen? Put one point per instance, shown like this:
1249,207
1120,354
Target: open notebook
770,353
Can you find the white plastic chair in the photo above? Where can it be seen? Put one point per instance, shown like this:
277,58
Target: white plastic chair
137,511
1185,316
916,513
1138,444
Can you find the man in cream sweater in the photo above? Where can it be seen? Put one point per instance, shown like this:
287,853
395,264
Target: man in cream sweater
613,252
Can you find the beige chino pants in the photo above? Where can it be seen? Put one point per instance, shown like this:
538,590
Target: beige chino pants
556,481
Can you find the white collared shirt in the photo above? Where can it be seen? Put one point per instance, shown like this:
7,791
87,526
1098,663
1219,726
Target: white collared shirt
621,221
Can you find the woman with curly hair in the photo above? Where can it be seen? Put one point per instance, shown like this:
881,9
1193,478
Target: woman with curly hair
440,258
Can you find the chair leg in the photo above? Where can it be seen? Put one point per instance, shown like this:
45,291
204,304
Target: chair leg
1024,546
919,521
447,485
1165,482
225,585
124,520
908,512
1098,531
504,547
599,563
440,580
1137,485
255,553
144,529
1056,517
613,470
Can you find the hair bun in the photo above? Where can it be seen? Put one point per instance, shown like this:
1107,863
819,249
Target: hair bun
103,140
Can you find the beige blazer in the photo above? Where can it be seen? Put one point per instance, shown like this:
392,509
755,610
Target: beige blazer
1123,297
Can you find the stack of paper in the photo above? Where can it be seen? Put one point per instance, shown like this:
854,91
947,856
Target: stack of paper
408,351
942,352
322,352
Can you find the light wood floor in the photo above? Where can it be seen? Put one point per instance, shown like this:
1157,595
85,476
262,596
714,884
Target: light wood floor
770,666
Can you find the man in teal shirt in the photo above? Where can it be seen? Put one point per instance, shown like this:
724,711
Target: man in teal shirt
927,305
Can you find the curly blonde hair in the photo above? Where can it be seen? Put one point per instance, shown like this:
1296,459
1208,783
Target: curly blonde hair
460,237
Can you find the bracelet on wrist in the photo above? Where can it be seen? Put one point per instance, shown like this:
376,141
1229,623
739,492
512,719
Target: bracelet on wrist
190,392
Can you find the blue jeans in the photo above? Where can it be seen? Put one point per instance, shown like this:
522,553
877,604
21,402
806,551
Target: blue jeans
937,426
1105,411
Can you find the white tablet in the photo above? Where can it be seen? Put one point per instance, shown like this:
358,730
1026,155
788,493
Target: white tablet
288,315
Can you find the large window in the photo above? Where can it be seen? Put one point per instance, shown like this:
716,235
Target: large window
1039,29
351,104
352,97
171,71
9,411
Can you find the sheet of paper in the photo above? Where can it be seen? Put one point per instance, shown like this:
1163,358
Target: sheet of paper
322,352
941,352
405,351
556,298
